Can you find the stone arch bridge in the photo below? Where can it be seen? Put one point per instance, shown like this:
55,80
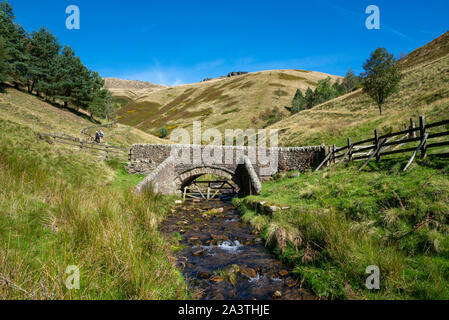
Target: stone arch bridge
172,167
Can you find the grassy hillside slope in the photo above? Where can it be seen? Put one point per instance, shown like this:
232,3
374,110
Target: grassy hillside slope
424,90
29,111
233,102
435,49
340,221
126,91
62,207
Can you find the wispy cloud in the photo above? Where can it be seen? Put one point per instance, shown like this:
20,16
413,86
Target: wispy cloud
178,75
173,75
362,17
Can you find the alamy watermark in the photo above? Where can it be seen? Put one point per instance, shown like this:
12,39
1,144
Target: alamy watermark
73,21
73,280
373,281
373,20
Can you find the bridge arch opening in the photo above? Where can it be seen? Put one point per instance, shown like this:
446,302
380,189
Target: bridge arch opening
207,183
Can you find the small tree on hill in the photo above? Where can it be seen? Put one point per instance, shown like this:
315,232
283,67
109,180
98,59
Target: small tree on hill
325,91
338,88
299,102
310,98
163,133
381,77
350,81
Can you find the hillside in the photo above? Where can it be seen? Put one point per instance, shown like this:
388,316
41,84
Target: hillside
423,91
433,50
125,91
340,220
34,113
235,102
61,206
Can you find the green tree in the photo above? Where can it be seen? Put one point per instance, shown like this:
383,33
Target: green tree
338,88
299,102
43,49
325,91
3,61
163,133
350,81
71,80
62,81
310,98
381,77
17,41
102,105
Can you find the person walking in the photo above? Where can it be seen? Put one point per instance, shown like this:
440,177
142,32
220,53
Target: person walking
97,137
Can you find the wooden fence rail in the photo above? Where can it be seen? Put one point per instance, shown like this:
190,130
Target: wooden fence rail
389,144
208,190
85,131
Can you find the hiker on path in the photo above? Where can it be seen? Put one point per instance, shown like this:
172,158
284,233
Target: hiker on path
101,136
97,137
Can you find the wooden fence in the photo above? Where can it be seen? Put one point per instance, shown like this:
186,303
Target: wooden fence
393,143
208,190
85,131
105,149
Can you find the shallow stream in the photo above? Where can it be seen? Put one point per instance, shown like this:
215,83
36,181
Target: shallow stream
222,259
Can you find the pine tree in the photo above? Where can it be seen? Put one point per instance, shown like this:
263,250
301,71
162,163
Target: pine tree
62,75
338,88
3,61
17,41
326,91
44,47
350,81
102,104
36,62
310,98
382,76
299,102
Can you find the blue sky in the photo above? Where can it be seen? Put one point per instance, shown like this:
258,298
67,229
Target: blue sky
177,42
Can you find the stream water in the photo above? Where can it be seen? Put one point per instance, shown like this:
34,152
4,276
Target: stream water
222,259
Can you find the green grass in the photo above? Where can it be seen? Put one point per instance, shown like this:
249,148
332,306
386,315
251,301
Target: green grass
231,111
341,221
285,76
61,207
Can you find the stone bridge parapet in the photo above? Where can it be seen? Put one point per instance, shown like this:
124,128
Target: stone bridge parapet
171,167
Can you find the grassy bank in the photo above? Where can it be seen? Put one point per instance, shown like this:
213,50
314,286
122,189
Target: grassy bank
60,207
340,222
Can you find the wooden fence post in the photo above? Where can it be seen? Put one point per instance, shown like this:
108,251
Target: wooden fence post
350,149
422,132
376,142
412,126
334,147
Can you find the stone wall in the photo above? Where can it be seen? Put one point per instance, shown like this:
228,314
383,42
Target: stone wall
245,166
145,158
